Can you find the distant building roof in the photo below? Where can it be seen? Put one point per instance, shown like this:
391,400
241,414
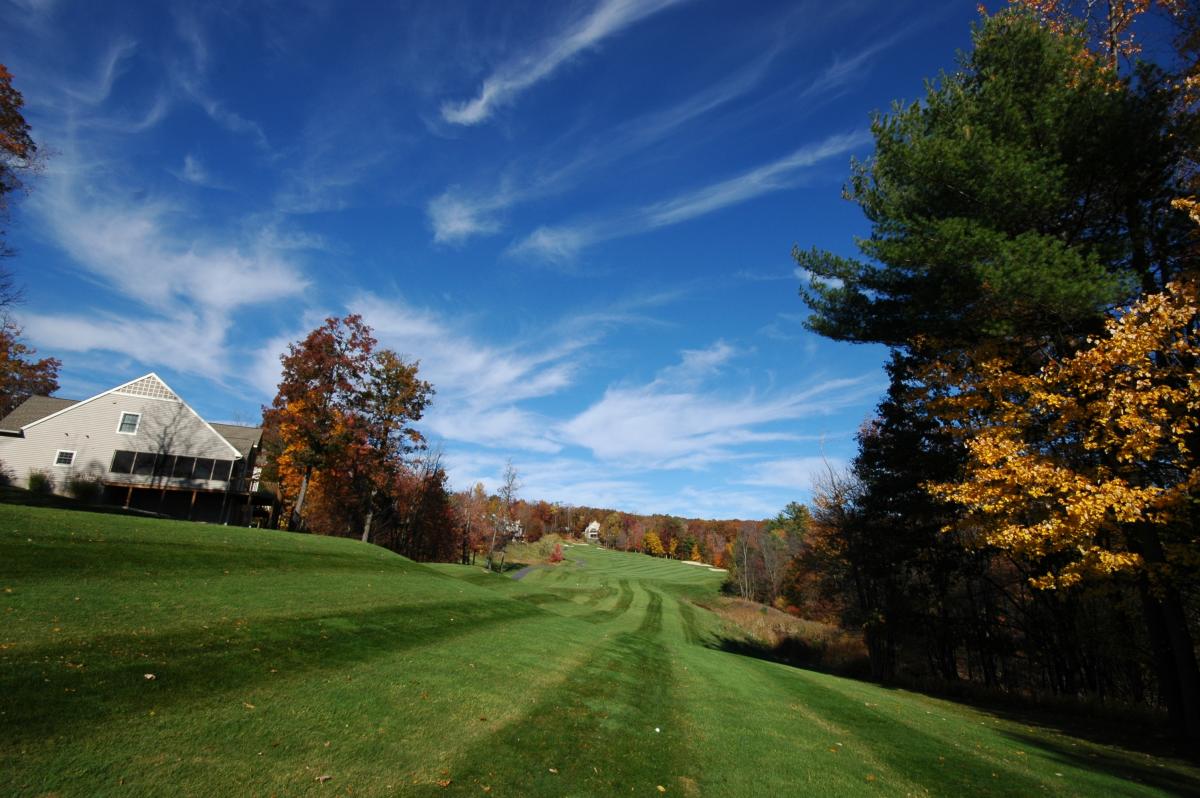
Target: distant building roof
243,438
32,409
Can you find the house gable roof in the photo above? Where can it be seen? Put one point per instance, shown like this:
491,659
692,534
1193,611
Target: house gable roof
243,438
149,386
33,409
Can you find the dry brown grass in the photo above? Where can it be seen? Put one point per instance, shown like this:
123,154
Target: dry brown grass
787,638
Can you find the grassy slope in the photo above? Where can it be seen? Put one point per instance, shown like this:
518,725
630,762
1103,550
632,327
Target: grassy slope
281,658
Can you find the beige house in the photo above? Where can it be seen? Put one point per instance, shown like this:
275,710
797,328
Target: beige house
145,446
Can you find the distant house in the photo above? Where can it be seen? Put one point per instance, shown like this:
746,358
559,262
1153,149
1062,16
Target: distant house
145,446
592,531
513,530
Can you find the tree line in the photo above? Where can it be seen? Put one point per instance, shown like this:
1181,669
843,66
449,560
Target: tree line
1022,510
342,447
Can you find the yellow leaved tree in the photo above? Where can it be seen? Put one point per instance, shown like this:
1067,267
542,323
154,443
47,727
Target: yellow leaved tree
1089,464
1087,470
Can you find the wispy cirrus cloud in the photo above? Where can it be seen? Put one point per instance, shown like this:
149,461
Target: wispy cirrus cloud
135,248
607,18
560,243
189,76
481,386
671,423
460,213
183,285
846,70
456,215
791,472
195,172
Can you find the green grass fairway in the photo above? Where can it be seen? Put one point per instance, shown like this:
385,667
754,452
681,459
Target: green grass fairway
279,660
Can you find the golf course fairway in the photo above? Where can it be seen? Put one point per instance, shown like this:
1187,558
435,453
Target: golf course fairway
148,657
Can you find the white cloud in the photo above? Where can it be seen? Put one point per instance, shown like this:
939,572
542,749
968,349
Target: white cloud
663,425
502,87
696,364
808,278
221,113
189,76
195,172
795,472
188,341
564,242
773,176
185,286
479,386
136,249
458,214
110,69
578,482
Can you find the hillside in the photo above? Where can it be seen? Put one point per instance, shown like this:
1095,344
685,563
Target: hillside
147,657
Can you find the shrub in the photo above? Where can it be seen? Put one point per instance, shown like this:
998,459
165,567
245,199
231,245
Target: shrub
41,482
556,555
6,476
86,489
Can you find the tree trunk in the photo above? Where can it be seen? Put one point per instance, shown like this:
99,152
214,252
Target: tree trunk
1171,641
465,539
296,523
366,535
492,549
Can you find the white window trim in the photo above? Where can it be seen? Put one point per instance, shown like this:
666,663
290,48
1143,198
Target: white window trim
136,426
64,465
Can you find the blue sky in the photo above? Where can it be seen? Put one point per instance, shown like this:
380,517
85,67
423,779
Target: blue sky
576,215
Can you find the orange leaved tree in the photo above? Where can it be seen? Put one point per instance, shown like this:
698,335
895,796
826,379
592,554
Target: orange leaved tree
342,421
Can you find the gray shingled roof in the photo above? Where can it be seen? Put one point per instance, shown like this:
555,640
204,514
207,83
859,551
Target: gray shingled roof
38,407
32,409
243,438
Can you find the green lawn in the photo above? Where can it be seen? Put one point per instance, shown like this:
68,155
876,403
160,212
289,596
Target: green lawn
280,659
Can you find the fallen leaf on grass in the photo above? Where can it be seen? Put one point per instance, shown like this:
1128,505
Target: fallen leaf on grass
149,677
661,788
554,771
870,777
443,783
323,779
247,706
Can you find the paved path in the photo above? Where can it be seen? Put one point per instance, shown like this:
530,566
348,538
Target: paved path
523,572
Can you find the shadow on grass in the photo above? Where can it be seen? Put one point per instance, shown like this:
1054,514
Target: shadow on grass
794,651
51,689
509,565
613,723
27,498
652,621
1130,767
1136,734
691,624
1139,729
624,601
166,555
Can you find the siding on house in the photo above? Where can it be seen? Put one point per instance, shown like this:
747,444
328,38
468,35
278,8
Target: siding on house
89,428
